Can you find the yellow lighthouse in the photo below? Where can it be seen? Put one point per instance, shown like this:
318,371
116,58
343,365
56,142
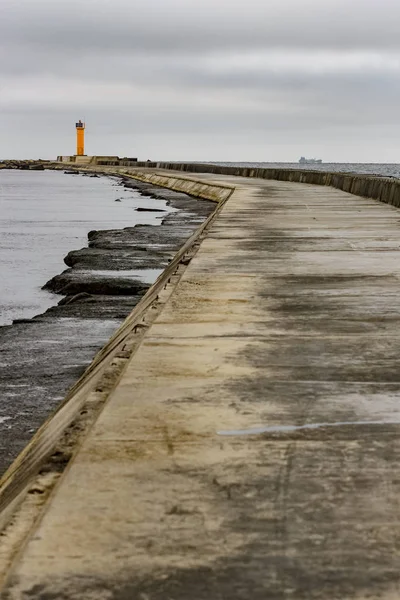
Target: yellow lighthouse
80,138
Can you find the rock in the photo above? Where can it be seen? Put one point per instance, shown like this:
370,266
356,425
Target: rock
16,321
140,209
72,299
22,165
115,259
96,307
73,281
36,168
92,234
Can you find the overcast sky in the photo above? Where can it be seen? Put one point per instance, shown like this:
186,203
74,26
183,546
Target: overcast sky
257,80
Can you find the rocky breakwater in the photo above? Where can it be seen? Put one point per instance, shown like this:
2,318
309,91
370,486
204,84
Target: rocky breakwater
23,165
114,271
42,358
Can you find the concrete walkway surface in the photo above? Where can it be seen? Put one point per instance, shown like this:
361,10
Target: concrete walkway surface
251,449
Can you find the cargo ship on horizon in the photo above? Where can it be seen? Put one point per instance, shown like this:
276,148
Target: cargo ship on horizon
310,161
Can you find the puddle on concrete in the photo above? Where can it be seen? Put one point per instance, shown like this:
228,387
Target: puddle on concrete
291,428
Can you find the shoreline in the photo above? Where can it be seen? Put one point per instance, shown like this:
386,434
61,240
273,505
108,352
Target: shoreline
42,357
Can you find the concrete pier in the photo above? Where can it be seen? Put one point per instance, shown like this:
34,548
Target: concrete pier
251,446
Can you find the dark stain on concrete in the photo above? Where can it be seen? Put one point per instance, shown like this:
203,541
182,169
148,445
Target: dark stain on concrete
337,358
315,524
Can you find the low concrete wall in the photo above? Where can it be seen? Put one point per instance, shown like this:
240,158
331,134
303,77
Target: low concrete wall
125,162
90,160
215,192
83,160
384,189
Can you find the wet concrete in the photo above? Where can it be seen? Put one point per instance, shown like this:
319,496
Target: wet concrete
295,428
40,359
306,336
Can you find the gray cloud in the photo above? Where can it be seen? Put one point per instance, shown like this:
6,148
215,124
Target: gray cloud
183,79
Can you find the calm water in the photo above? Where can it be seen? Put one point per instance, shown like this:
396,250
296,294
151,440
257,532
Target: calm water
384,170
44,215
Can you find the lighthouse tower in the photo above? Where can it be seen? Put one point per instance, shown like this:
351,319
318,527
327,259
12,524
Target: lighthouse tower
80,138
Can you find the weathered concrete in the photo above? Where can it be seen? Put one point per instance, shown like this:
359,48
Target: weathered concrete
286,319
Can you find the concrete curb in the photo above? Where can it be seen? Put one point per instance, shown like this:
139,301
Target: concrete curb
193,187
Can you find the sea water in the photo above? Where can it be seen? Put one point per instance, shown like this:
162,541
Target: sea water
44,215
